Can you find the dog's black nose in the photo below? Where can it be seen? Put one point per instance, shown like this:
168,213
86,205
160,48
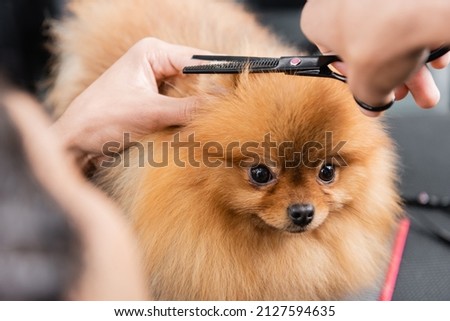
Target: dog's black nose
301,214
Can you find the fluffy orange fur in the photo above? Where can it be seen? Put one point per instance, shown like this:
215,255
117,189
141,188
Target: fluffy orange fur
208,232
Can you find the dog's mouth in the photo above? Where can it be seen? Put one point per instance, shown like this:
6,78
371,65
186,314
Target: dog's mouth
291,228
295,229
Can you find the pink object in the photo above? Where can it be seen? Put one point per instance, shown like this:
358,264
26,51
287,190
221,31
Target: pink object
391,278
295,61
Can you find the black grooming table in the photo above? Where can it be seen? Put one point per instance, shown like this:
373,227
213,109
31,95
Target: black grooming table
424,146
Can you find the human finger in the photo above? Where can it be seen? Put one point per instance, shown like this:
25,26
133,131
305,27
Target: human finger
167,60
423,88
441,62
401,92
168,111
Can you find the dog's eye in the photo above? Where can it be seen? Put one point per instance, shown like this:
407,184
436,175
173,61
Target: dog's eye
327,173
260,174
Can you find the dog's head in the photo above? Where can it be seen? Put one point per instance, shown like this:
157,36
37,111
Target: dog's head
288,152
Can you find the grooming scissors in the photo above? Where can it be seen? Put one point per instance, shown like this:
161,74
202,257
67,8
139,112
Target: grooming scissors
313,66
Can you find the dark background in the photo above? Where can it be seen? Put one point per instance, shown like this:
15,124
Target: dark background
423,137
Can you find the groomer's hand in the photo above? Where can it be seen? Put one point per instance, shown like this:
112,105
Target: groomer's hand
125,99
383,43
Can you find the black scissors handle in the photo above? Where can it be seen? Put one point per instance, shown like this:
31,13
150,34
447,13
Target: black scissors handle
435,54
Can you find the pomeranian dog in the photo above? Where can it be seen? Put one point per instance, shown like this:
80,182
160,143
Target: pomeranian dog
286,191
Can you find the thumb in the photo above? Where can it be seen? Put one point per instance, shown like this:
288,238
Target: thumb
374,82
